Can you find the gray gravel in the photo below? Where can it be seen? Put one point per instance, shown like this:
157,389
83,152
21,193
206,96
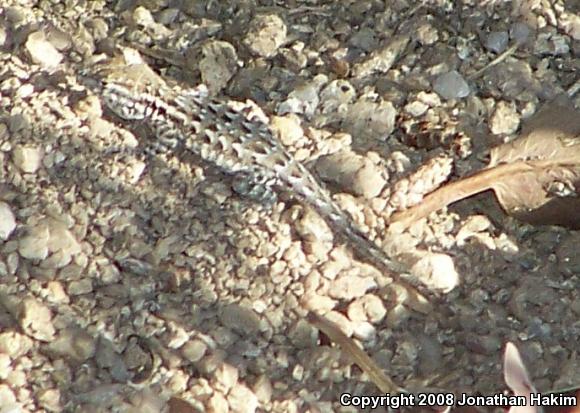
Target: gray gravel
141,283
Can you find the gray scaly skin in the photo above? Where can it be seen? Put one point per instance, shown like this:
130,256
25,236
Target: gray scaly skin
230,136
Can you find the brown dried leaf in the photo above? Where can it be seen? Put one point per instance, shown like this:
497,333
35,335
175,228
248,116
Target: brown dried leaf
536,178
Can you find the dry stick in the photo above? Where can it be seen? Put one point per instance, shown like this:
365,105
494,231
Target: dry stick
495,61
384,383
458,190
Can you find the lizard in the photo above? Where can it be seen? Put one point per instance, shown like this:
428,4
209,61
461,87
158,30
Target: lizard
231,136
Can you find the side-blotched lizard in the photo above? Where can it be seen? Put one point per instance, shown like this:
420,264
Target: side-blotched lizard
231,136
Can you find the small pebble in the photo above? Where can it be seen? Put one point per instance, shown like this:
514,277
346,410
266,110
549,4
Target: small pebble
5,366
15,344
36,320
8,399
74,344
240,318
194,350
7,221
242,400
263,389
451,85
217,403
226,376
143,17
266,34
367,308
416,108
436,271
287,128
427,34
34,245
520,32
497,41
347,287
27,159
370,119
41,51
304,98
505,119
218,64
368,181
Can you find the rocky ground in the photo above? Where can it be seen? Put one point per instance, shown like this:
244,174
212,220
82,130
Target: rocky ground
128,279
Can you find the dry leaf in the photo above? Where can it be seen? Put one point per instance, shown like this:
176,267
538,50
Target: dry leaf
518,380
536,178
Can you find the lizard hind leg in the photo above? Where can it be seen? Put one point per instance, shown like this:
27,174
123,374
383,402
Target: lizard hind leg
257,187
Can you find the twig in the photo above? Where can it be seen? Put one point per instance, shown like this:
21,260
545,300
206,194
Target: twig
384,383
496,61
456,191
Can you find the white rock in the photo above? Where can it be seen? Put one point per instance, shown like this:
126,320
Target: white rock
368,180
350,286
63,241
5,366
14,344
34,246
505,119
371,119
218,65
335,100
135,170
317,303
217,403
345,325
27,159
436,271
416,108
7,221
194,350
367,308
242,400
364,331
143,17
287,128
266,34
263,389
304,98
36,320
7,397
226,376
41,51
429,98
